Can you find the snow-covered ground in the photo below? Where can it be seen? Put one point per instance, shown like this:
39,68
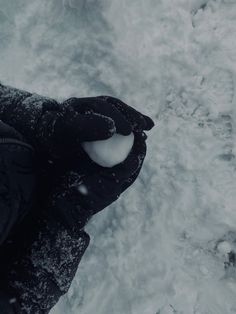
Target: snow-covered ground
163,247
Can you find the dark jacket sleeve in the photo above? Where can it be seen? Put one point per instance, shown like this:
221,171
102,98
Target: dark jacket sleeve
17,183
28,113
39,262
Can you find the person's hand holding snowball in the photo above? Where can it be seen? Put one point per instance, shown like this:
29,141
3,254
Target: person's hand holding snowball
106,160
87,152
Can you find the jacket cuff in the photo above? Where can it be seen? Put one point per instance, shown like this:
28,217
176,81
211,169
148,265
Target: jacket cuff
23,110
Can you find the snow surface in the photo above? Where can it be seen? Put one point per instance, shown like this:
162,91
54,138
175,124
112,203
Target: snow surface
159,248
110,152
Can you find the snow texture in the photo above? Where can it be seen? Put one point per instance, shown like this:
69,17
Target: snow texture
110,152
166,252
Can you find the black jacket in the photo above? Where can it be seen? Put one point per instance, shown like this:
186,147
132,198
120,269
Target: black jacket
17,182
39,259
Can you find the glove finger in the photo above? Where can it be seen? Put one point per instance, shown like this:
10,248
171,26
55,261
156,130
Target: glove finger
139,121
89,127
94,127
94,105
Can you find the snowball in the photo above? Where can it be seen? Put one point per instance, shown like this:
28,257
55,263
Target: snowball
110,152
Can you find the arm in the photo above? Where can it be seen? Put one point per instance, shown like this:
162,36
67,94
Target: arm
25,112
17,179
38,263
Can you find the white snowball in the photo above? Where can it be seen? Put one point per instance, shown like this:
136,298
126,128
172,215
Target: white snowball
110,152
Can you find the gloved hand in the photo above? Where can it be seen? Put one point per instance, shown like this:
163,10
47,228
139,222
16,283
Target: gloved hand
138,121
86,188
125,117
89,119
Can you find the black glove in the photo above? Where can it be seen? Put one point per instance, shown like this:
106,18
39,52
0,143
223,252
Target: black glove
89,119
92,187
138,121
115,109
86,188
